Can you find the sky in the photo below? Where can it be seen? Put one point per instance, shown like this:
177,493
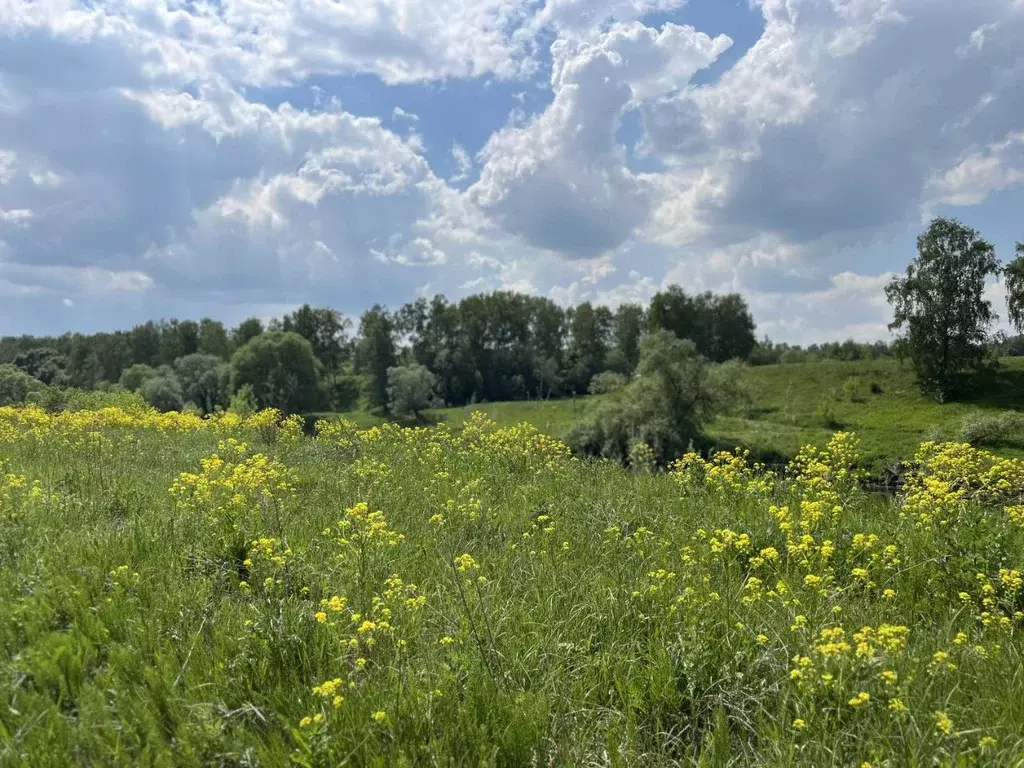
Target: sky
190,158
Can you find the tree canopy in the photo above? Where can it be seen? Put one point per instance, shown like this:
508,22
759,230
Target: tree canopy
281,369
411,390
939,305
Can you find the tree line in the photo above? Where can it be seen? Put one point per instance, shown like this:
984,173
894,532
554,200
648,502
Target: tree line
486,347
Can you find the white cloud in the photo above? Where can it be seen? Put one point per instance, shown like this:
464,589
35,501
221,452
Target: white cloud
561,182
835,120
400,114
980,174
17,216
88,281
138,156
8,165
463,163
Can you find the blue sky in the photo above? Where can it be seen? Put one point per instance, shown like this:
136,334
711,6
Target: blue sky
163,159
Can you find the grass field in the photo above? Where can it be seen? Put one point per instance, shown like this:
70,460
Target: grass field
787,410
182,592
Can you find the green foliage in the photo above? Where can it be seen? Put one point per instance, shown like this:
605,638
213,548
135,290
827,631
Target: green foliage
589,330
281,369
243,402
376,353
344,391
204,380
607,382
411,390
628,327
939,305
325,329
665,406
163,392
246,331
852,390
44,363
767,352
1013,274
56,399
133,379
730,388
213,338
991,429
825,413
16,385
721,327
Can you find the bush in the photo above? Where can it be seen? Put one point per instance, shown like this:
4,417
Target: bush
607,382
243,402
411,390
983,428
134,377
729,389
164,393
852,390
16,385
825,414
203,380
344,392
43,363
664,407
55,399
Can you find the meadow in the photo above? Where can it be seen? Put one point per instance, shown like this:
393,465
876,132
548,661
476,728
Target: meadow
227,591
800,404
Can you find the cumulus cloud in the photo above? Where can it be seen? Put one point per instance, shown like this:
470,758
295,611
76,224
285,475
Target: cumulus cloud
836,119
981,174
561,181
146,149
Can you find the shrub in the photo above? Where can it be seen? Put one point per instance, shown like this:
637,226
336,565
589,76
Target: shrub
729,389
825,414
852,390
343,392
55,399
16,385
664,407
411,390
134,377
983,428
164,393
607,382
203,379
243,402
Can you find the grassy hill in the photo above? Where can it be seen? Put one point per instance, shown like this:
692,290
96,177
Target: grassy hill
801,404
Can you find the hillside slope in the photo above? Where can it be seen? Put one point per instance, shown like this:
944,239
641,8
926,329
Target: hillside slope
801,404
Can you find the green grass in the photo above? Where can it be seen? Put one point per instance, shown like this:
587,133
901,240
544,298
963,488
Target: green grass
564,613
787,400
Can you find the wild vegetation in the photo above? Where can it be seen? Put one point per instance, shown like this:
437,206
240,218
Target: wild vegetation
179,590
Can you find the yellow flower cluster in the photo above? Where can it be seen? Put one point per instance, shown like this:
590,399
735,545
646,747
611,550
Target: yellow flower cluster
234,485
724,471
361,529
949,476
31,422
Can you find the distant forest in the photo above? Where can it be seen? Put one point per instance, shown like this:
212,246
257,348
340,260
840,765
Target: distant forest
486,347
